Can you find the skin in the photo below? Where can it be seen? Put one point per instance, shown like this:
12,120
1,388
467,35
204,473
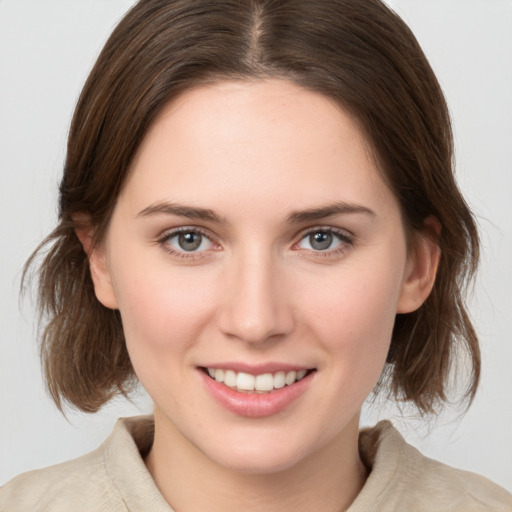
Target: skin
257,291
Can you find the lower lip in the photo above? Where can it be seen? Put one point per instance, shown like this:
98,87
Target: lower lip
256,405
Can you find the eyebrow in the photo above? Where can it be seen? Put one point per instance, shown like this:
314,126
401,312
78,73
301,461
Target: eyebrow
205,214
191,212
339,208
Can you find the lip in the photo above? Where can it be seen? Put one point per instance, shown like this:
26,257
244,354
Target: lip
257,369
255,405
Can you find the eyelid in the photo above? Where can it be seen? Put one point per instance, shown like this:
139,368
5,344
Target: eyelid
341,232
170,233
346,238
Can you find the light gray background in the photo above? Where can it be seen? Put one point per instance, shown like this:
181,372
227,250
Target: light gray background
46,50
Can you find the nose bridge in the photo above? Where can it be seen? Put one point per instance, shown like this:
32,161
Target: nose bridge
256,305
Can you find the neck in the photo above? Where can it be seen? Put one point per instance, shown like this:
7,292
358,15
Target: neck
328,480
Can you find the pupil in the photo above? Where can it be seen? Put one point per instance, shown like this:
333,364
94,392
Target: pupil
189,241
320,240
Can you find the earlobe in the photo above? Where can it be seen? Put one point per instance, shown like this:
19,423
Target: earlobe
98,266
421,268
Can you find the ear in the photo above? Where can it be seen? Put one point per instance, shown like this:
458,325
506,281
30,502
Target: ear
98,265
421,268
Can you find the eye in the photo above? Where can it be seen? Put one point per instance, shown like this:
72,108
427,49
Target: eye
186,241
324,240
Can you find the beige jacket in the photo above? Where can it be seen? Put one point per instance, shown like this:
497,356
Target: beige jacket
114,478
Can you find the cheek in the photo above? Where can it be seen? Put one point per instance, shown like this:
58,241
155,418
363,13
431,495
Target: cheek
162,309
353,316
163,316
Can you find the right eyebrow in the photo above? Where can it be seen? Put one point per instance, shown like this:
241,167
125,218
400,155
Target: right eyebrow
322,212
191,212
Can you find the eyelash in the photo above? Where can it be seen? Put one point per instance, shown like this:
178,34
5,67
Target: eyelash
192,255
346,241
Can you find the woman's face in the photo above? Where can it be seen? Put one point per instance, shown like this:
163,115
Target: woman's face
255,241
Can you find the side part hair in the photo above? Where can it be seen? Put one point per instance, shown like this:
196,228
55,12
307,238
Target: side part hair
357,52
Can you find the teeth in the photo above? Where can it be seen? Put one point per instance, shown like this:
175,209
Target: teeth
264,382
290,378
230,378
279,380
261,383
245,381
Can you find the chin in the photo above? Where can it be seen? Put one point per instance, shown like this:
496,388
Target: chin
259,456
259,464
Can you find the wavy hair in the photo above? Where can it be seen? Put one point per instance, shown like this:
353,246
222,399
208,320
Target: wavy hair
358,53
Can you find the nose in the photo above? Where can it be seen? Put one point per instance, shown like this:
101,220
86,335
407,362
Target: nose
256,306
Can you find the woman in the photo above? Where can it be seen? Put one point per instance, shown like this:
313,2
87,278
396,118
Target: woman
259,221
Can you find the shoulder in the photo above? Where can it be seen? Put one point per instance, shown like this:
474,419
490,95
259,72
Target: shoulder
81,484
107,479
402,478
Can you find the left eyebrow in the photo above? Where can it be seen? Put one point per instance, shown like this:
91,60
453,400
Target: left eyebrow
340,208
190,212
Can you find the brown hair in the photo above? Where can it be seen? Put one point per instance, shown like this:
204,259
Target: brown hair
357,52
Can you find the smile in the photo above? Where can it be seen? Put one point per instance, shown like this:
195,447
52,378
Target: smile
263,383
256,395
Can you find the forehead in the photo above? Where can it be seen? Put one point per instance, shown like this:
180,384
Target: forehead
269,139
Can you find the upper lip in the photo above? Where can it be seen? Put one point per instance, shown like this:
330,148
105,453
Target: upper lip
257,369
